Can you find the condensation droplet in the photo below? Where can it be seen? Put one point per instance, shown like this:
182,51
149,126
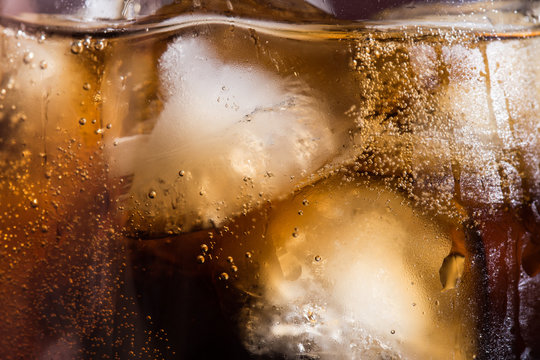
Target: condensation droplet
108,126
230,259
87,86
305,202
43,65
200,259
318,258
34,203
82,121
181,173
392,331
152,194
77,47
248,255
234,268
41,38
204,247
300,212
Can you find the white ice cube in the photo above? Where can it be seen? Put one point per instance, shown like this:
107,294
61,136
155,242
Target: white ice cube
230,137
102,9
357,278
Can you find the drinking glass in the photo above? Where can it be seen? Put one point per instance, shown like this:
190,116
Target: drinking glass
279,179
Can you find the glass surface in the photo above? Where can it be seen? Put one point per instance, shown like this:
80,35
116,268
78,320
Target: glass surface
269,180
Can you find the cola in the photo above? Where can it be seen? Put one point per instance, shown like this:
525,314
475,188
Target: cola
247,182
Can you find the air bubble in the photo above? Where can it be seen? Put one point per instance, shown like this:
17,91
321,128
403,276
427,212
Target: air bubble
34,203
204,247
305,202
82,121
318,258
200,259
230,259
392,331
28,57
87,86
224,276
248,255
152,194
100,45
181,173
43,65
77,47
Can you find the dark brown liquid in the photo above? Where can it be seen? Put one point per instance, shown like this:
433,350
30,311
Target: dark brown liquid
94,265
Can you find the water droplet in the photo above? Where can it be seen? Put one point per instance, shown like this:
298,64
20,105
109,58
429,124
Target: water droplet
392,331
43,65
230,259
87,86
109,126
248,255
28,57
234,268
82,121
223,276
34,203
200,259
318,258
181,173
77,47
152,194
41,38
305,202
204,247
300,212
437,303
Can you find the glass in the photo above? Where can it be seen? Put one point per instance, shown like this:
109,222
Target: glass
268,180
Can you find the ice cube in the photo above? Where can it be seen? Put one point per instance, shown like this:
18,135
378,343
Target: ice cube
230,137
103,9
357,276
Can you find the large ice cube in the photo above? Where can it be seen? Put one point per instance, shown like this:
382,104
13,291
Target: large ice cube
230,137
357,278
